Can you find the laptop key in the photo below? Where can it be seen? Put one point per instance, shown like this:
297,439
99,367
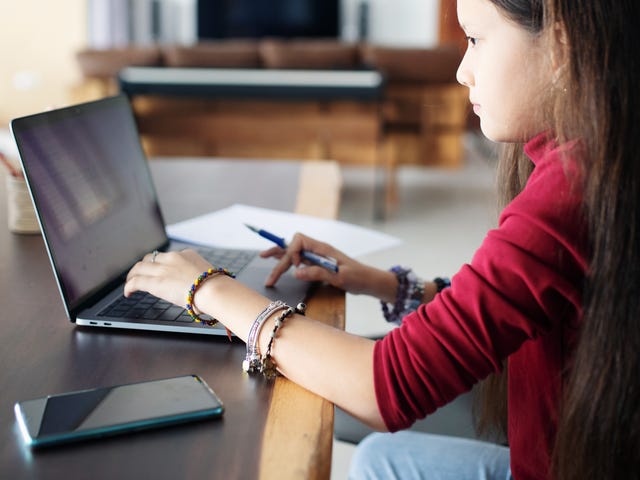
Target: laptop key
184,318
171,313
136,313
153,313
234,260
115,312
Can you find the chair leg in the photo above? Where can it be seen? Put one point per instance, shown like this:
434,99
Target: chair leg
386,182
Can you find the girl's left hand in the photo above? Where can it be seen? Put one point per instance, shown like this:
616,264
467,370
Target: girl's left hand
166,275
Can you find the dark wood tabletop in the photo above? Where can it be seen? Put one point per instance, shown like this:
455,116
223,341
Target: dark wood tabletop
269,429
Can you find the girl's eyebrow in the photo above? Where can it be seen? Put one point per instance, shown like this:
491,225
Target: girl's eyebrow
465,26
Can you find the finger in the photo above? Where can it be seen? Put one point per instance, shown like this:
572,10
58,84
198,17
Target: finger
282,266
145,268
301,242
314,273
276,252
152,257
157,280
135,269
296,245
321,248
134,283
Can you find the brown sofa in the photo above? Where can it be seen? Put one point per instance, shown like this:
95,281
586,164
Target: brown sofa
419,120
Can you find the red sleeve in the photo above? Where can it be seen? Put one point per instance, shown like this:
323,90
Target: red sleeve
526,275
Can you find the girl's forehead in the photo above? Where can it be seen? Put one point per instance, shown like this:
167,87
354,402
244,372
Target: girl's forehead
476,13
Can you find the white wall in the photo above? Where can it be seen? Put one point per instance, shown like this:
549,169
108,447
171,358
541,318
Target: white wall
390,22
38,41
119,23
407,23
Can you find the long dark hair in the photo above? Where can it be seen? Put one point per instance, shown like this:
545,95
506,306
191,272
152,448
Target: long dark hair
599,426
599,430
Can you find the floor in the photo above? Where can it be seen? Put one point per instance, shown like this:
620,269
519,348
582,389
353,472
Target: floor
442,216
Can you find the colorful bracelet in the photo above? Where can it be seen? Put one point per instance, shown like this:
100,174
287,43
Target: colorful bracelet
409,294
268,366
192,291
251,362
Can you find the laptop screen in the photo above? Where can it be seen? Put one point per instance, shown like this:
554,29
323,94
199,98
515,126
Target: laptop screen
95,199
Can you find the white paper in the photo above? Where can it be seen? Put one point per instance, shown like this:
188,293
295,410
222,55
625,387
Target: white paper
226,229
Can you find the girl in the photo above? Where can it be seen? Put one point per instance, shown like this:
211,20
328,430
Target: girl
551,293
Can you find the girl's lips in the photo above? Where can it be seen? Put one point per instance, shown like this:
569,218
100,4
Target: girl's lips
476,109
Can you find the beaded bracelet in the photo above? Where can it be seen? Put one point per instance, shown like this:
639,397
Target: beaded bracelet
192,291
251,362
268,366
409,294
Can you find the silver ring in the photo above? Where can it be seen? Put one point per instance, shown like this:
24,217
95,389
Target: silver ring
153,258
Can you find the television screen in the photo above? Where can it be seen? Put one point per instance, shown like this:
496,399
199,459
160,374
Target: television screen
267,18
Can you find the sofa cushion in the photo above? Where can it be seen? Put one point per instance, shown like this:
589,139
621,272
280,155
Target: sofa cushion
311,54
426,65
214,54
107,63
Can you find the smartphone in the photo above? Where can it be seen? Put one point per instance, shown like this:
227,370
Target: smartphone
111,410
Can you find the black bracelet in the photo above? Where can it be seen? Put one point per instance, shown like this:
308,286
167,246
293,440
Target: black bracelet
268,366
441,283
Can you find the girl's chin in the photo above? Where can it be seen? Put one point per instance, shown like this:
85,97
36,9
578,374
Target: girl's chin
498,136
491,135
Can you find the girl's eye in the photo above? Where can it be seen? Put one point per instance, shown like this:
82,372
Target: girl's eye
472,40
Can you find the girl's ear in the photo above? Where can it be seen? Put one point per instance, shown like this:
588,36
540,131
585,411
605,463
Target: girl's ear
559,48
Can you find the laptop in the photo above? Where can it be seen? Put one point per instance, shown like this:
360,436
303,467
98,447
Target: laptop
99,214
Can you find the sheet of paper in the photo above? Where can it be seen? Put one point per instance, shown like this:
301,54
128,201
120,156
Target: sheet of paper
226,228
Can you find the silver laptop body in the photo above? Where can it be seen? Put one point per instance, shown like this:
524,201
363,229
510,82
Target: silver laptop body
98,211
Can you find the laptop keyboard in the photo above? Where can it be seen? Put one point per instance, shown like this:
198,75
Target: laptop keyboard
144,306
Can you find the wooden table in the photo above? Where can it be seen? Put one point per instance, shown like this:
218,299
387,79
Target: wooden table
269,430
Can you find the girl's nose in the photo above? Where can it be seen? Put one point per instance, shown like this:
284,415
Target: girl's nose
463,74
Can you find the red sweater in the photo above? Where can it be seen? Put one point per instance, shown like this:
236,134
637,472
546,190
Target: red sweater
519,298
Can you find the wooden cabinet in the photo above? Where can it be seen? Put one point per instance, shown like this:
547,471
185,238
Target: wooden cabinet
345,131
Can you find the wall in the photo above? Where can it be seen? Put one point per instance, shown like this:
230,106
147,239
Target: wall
390,22
117,23
407,23
38,39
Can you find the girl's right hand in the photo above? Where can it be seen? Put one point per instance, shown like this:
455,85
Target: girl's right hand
351,275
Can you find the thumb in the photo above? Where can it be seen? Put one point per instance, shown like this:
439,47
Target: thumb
313,273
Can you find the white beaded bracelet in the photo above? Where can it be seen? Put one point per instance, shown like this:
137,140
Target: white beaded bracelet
251,362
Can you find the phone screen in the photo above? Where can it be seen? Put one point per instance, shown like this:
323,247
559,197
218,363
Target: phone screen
110,410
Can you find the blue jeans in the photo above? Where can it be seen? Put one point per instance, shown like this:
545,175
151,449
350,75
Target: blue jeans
415,455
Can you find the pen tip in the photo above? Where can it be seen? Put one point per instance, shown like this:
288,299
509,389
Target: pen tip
250,227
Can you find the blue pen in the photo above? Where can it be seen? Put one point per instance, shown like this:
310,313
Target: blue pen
325,262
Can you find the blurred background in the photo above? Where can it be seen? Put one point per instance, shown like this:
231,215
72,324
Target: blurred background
39,39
